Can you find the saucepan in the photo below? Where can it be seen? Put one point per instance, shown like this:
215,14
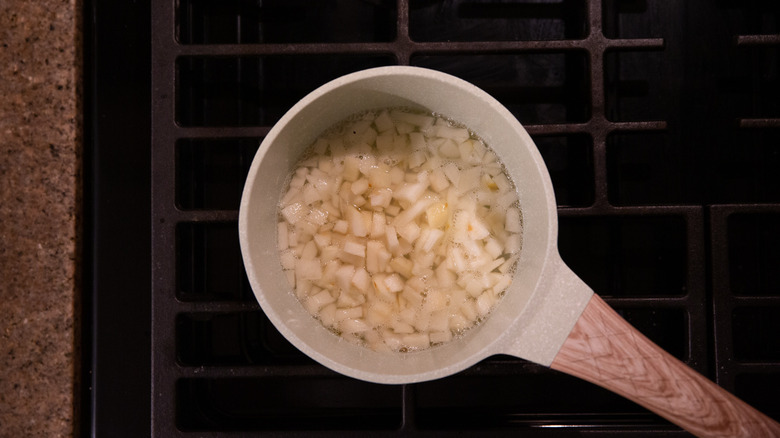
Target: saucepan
547,315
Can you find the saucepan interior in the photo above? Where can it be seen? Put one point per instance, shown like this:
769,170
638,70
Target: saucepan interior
381,88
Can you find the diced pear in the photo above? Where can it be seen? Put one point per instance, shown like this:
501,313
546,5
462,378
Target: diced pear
401,327
493,265
319,300
281,233
404,247
317,216
309,250
407,315
328,315
290,274
440,337
416,159
344,276
513,243
457,260
401,141
434,301
469,310
444,276
412,297
392,239
420,120
413,211
410,231
479,149
373,248
469,179
353,326
294,212
288,259
502,283
476,230
466,150
417,284
393,341
417,142
382,292
452,173
361,280
394,283
378,224
508,264
439,180
379,178
417,341
488,183
485,302
493,248
349,313
341,226
474,287
449,149
451,132
357,225
502,183
329,273
458,322
383,122
350,299
378,313
380,198
329,253
359,187
439,321
404,128
310,194
437,215
430,238
383,258
411,192
384,142
322,239
351,170
422,321
512,222
402,265
397,174
303,287
393,210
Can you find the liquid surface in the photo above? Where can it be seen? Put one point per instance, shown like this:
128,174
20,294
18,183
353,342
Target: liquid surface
399,230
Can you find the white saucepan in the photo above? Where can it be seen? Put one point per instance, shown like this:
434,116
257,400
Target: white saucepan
547,315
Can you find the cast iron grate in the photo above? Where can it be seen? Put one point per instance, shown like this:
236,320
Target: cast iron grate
659,122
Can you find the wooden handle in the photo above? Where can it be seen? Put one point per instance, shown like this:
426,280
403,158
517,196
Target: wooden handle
604,349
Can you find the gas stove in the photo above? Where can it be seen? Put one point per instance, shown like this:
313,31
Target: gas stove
659,122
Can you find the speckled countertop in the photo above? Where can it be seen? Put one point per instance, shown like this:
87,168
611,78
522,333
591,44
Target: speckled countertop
40,213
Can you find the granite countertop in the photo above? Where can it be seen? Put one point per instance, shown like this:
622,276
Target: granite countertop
40,214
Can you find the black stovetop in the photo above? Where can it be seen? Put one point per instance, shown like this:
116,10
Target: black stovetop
659,122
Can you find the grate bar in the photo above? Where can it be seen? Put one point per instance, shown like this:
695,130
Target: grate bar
759,123
758,40
412,47
256,371
216,306
222,132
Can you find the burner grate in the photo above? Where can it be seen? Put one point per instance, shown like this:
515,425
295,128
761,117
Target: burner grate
660,127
